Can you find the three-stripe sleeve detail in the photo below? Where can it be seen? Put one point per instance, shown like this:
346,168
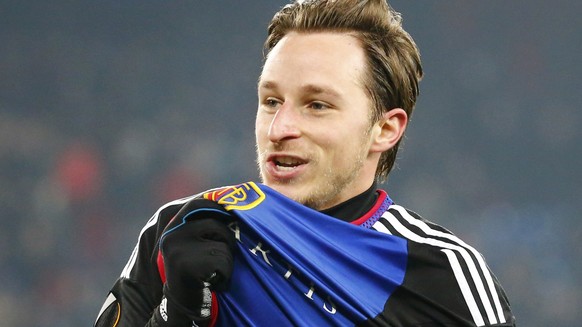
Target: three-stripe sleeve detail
398,220
465,288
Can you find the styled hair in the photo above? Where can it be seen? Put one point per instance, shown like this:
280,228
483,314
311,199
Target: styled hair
394,68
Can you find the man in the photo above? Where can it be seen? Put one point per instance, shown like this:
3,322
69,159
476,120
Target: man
316,244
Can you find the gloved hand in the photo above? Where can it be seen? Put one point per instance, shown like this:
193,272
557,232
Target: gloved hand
197,249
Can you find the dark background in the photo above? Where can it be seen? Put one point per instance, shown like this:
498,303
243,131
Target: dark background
108,109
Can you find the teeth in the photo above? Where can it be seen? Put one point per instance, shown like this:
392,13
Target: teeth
285,168
287,162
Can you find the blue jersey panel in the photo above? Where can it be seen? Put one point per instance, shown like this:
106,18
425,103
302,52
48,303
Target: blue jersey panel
297,266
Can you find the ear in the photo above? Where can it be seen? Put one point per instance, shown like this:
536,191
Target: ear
388,130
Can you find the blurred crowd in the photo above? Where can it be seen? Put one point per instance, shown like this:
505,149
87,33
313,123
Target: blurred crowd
110,109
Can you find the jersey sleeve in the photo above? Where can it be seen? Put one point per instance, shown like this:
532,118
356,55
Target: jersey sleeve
447,282
137,294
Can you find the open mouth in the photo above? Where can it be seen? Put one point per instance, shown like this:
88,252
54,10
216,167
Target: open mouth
287,163
281,166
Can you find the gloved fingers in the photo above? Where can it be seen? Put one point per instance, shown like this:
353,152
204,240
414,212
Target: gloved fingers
213,230
199,261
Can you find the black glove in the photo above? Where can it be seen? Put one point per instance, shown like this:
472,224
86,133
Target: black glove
197,249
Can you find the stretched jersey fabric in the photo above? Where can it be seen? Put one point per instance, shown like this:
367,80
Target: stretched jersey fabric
295,266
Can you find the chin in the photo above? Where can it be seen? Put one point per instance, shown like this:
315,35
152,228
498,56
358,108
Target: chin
288,189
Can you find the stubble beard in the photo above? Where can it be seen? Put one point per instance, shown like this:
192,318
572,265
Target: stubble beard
327,194
335,182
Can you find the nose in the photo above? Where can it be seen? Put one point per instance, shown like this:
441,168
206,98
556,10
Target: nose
285,124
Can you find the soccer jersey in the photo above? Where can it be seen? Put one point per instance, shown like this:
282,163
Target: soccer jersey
295,266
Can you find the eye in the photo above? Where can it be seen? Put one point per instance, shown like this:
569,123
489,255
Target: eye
318,105
271,102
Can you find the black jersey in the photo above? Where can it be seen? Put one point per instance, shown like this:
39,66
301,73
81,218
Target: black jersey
299,267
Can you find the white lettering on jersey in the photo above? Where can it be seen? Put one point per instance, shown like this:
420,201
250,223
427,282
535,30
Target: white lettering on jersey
263,252
288,273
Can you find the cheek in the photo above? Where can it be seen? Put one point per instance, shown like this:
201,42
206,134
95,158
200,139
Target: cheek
352,144
260,128
261,136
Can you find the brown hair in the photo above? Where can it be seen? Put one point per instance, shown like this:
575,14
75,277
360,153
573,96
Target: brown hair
394,67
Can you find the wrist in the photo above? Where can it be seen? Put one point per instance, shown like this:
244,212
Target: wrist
194,304
168,315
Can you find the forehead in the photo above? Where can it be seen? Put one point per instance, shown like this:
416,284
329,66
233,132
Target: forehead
321,55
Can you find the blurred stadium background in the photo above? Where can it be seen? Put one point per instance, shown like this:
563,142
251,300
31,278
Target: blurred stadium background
109,108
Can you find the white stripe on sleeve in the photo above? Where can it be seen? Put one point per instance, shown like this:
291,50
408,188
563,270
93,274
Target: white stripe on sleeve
465,289
485,270
441,244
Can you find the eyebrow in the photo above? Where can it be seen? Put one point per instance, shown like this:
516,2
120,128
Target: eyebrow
307,88
268,85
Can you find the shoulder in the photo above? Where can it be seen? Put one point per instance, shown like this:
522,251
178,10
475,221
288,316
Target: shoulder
434,245
145,250
158,221
408,224
460,276
166,212
427,237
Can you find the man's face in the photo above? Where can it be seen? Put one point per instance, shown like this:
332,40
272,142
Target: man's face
313,129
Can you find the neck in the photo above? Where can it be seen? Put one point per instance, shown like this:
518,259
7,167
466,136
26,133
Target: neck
355,207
